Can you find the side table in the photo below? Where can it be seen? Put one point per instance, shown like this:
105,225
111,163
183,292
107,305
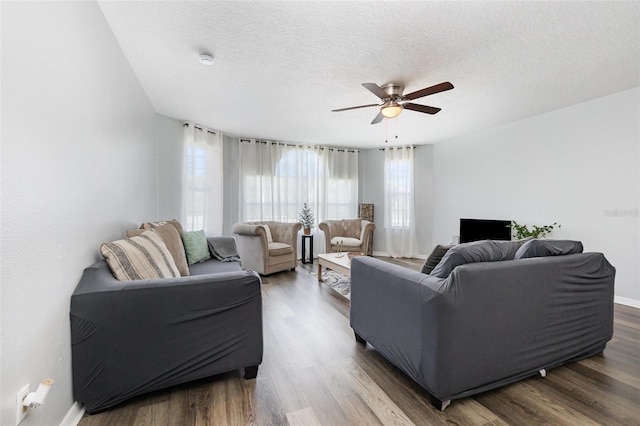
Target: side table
304,249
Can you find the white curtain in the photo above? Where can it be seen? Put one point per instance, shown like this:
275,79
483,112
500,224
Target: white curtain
202,180
399,211
277,178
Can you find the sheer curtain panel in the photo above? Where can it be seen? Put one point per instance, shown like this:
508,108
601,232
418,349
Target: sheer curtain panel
399,211
202,180
277,178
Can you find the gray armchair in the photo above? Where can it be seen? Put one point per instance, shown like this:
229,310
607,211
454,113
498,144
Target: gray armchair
354,234
267,247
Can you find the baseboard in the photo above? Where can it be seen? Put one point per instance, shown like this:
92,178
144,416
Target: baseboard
385,254
74,415
627,302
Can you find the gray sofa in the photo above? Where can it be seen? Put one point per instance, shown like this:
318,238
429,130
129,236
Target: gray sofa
482,324
133,337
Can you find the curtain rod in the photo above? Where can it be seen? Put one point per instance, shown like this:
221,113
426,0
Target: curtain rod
397,147
307,146
199,128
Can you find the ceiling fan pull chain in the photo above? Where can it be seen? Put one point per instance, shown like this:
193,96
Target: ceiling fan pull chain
386,131
396,127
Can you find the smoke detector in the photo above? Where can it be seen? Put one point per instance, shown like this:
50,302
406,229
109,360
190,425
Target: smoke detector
206,59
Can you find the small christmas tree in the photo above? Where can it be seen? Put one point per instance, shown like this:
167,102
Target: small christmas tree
306,218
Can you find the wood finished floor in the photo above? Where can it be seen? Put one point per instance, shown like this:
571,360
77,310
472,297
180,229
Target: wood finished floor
314,373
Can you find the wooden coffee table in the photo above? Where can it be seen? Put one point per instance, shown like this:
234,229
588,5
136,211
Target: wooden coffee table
339,263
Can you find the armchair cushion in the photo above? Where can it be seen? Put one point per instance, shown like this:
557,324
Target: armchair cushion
278,249
349,242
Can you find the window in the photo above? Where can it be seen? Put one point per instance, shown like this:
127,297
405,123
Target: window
398,191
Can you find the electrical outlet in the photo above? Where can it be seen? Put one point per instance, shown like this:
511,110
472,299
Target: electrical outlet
21,410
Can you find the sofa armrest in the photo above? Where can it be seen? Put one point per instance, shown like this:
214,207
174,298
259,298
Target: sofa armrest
324,227
366,234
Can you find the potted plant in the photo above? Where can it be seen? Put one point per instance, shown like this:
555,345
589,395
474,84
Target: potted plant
306,218
522,231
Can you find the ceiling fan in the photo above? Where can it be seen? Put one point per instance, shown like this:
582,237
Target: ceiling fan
393,101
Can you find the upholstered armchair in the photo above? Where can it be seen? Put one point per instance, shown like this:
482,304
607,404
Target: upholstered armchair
353,234
267,247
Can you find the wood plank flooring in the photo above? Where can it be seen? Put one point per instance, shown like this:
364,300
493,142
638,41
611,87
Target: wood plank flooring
314,373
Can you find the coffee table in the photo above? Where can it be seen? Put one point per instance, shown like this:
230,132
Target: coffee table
340,263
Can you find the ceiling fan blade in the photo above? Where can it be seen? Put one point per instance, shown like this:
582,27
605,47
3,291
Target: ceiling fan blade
355,107
422,108
429,91
376,90
378,118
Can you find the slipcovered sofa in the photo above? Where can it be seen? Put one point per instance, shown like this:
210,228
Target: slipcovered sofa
353,235
134,337
267,247
490,313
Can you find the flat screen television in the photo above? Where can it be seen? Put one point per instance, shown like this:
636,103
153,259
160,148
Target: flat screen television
484,229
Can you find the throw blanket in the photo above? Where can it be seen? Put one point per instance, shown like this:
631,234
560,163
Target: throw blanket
224,249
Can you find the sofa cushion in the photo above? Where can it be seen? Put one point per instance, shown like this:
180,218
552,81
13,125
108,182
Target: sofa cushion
195,246
434,258
278,249
347,242
543,248
142,257
477,251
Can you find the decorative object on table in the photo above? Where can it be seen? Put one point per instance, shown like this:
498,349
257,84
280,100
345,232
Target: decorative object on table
306,218
353,254
306,259
522,231
339,245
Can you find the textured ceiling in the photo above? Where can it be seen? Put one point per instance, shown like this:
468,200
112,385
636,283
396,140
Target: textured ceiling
281,67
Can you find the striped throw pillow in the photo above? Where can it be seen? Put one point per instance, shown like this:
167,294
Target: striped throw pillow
139,258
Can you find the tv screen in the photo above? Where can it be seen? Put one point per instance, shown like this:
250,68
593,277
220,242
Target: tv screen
483,229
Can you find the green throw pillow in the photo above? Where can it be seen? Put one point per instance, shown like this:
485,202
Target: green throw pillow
195,246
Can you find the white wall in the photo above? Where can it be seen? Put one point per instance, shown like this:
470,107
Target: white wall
78,168
579,166
169,135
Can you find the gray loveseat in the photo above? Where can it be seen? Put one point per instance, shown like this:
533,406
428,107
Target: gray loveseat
133,337
481,324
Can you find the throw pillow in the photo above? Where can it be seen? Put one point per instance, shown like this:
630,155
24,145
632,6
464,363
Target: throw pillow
195,246
172,239
477,251
350,228
434,258
139,258
174,222
134,232
543,248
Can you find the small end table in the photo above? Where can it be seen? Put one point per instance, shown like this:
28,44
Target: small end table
304,249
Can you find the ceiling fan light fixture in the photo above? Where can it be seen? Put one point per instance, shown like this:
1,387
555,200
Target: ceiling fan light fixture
391,110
